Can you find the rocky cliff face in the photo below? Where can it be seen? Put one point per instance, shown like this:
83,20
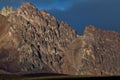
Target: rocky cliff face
7,10
33,40
96,52
38,40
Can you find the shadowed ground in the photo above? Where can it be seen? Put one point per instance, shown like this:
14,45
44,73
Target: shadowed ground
48,76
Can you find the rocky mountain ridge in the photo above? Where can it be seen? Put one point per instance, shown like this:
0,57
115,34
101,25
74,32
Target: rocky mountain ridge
94,53
38,39
33,40
7,10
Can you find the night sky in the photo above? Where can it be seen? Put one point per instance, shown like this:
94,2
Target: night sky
104,14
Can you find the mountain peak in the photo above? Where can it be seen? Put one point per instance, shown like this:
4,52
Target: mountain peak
40,35
89,29
28,5
7,10
26,8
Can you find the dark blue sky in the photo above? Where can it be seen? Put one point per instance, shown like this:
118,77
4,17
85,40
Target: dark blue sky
104,14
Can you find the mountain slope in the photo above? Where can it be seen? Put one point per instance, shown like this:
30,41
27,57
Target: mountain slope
34,41
97,52
38,39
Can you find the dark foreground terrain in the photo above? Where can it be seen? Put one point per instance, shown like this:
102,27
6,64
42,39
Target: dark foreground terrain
51,76
32,76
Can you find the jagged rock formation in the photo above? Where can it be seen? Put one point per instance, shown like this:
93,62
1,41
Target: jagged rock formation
97,52
33,40
38,40
7,10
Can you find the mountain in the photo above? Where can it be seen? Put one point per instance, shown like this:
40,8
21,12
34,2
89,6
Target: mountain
7,10
96,52
32,40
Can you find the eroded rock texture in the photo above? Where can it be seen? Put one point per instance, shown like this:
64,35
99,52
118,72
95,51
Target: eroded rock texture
33,40
97,52
37,38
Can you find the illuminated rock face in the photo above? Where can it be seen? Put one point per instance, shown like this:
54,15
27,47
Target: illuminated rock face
38,38
97,52
6,11
33,40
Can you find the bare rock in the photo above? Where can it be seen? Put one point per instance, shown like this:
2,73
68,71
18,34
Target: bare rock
7,10
38,38
33,40
97,52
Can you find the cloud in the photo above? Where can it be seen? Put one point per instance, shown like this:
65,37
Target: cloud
42,4
79,13
103,14
54,4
